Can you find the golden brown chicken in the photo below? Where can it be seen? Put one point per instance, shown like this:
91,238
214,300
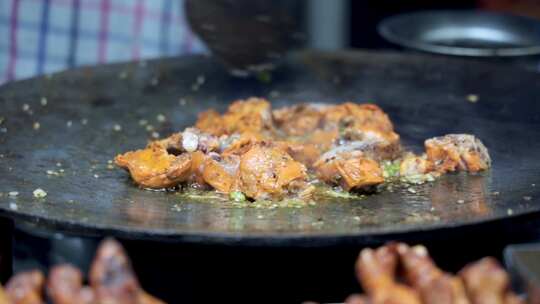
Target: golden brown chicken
297,120
435,286
221,175
268,172
250,115
112,279
359,122
487,283
275,154
400,274
376,271
211,122
154,167
457,152
350,170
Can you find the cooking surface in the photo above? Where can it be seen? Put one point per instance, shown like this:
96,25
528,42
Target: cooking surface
91,114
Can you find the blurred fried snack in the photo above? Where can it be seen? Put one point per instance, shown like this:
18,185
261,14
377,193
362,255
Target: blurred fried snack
111,278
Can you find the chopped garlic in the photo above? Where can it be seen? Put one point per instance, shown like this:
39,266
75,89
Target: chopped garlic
39,193
472,98
190,141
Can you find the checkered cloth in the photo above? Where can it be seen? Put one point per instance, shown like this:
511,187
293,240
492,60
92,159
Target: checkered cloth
43,36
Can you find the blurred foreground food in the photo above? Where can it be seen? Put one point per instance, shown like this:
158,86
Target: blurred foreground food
111,281
399,274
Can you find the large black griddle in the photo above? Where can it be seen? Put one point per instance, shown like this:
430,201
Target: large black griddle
425,96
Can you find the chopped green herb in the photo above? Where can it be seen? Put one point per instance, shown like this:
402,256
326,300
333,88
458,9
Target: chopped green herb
203,196
199,195
418,179
264,76
390,169
237,196
339,194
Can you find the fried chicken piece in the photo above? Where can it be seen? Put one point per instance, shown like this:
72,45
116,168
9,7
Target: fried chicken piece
350,170
362,127
372,149
267,172
434,286
360,122
250,115
154,167
322,139
359,172
415,165
298,119
457,152
239,144
167,162
190,140
305,153
216,174
481,282
112,279
211,122
26,288
111,276
196,171
65,286
376,270
487,282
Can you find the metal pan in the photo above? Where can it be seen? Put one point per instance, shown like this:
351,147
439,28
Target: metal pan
464,33
94,113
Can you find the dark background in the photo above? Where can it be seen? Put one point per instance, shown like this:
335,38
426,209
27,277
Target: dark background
365,15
